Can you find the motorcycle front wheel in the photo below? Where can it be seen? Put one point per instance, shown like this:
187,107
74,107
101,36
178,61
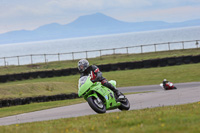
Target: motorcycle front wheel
96,104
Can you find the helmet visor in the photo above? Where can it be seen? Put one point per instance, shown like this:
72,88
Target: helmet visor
81,68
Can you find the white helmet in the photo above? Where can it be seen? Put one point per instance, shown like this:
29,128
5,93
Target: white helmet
83,64
165,80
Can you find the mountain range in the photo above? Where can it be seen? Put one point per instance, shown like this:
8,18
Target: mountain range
89,25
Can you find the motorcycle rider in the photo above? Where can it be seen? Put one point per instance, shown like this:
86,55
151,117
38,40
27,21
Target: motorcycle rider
164,83
96,75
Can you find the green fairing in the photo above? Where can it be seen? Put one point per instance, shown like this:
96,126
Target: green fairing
84,87
89,89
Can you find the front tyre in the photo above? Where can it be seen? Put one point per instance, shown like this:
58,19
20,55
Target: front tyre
125,105
96,104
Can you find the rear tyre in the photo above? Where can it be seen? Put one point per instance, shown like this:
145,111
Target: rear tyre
174,88
96,104
125,105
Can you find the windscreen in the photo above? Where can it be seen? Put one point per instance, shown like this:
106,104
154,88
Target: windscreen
81,81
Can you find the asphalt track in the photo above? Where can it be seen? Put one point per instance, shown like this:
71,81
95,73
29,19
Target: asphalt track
186,93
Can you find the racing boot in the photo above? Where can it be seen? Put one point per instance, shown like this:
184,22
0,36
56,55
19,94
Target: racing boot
117,93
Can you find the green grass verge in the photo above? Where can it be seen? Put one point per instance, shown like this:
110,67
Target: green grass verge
68,84
104,60
170,119
39,87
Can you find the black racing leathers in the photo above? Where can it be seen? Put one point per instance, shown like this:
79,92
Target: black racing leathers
164,84
96,76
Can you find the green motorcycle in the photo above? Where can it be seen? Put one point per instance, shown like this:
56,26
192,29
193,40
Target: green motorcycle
99,97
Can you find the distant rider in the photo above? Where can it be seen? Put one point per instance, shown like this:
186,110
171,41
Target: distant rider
164,83
96,75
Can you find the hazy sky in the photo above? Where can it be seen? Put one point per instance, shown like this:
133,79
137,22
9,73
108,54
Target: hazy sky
30,14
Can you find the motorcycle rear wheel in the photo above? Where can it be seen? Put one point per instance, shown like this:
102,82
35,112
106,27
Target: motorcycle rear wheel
97,106
174,88
125,105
